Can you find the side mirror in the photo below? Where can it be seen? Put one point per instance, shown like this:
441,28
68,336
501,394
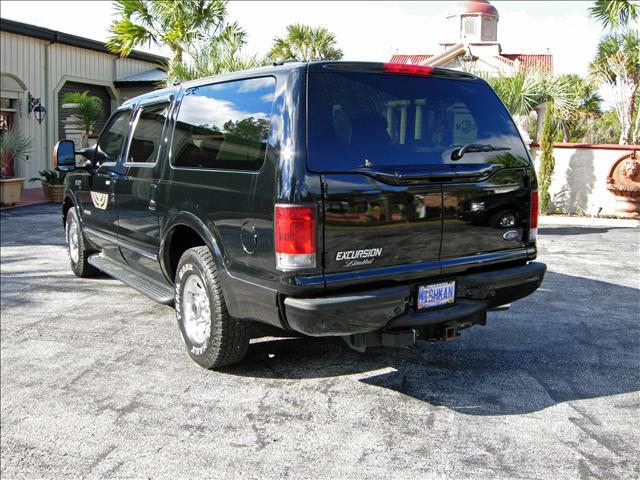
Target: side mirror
64,156
88,153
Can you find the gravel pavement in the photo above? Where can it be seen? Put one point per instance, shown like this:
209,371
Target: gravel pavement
96,383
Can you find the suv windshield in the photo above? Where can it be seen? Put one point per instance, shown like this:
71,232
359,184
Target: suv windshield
364,119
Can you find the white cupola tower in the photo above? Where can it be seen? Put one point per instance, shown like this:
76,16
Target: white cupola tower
472,22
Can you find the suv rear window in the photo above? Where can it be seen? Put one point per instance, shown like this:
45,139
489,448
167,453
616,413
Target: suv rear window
392,120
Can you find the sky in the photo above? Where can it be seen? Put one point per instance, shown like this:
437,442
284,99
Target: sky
365,30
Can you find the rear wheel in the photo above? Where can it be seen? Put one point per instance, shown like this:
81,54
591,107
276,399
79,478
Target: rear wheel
76,247
213,338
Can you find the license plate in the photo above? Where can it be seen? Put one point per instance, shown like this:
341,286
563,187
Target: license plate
437,294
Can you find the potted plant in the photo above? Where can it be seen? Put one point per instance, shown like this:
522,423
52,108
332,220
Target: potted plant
15,146
87,109
52,184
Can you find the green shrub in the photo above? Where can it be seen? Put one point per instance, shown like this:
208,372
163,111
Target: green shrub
547,162
52,177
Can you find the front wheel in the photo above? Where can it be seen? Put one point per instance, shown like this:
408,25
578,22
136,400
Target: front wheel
213,338
76,246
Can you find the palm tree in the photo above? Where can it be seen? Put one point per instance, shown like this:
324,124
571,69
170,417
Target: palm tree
305,43
613,14
520,92
526,89
617,63
221,54
13,147
176,24
87,108
587,106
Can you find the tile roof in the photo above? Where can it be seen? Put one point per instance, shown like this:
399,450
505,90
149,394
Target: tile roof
542,61
414,59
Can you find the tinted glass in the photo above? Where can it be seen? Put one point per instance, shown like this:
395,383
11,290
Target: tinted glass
399,120
110,142
225,125
147,134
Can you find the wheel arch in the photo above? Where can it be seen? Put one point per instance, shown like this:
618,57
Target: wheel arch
70,201
182,232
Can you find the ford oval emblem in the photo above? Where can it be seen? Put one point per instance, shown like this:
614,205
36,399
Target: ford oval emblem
510,235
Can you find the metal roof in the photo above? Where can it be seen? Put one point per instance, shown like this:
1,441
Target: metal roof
154,75
55,36
150,77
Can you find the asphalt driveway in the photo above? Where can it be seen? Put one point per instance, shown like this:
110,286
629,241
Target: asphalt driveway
95,381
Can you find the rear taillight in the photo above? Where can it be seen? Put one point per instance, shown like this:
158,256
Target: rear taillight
407,69
295,236
533,223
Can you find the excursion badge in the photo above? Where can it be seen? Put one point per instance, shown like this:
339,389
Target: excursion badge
358,257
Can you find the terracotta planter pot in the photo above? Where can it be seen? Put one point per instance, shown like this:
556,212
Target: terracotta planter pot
10,190
56,193
46,192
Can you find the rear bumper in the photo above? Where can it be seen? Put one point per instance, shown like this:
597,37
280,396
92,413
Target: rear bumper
392,308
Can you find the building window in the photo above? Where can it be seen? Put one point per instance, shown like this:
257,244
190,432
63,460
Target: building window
469,26
489,29
8,104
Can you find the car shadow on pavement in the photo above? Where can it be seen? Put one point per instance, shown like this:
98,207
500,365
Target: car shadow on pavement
577,230
574,339
32,225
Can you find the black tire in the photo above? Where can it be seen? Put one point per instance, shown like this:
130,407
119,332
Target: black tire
79,265
221,340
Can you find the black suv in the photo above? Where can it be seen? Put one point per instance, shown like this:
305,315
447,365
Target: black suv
382,203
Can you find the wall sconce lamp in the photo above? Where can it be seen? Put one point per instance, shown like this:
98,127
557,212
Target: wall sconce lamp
39,110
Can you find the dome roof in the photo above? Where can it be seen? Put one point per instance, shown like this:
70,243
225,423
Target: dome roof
473,6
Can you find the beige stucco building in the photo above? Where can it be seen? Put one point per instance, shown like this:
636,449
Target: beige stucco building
42,64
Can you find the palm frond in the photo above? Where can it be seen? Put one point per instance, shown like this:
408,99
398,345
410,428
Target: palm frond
614,14
15,145
128,35
305,43
520,92
176,23
222,54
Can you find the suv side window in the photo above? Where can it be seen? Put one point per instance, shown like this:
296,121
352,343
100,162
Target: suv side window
146,138
225,125
110,142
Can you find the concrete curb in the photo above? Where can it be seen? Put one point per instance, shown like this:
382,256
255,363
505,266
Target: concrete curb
589,221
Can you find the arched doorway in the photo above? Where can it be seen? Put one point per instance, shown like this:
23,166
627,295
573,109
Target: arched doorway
64,113
12,91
